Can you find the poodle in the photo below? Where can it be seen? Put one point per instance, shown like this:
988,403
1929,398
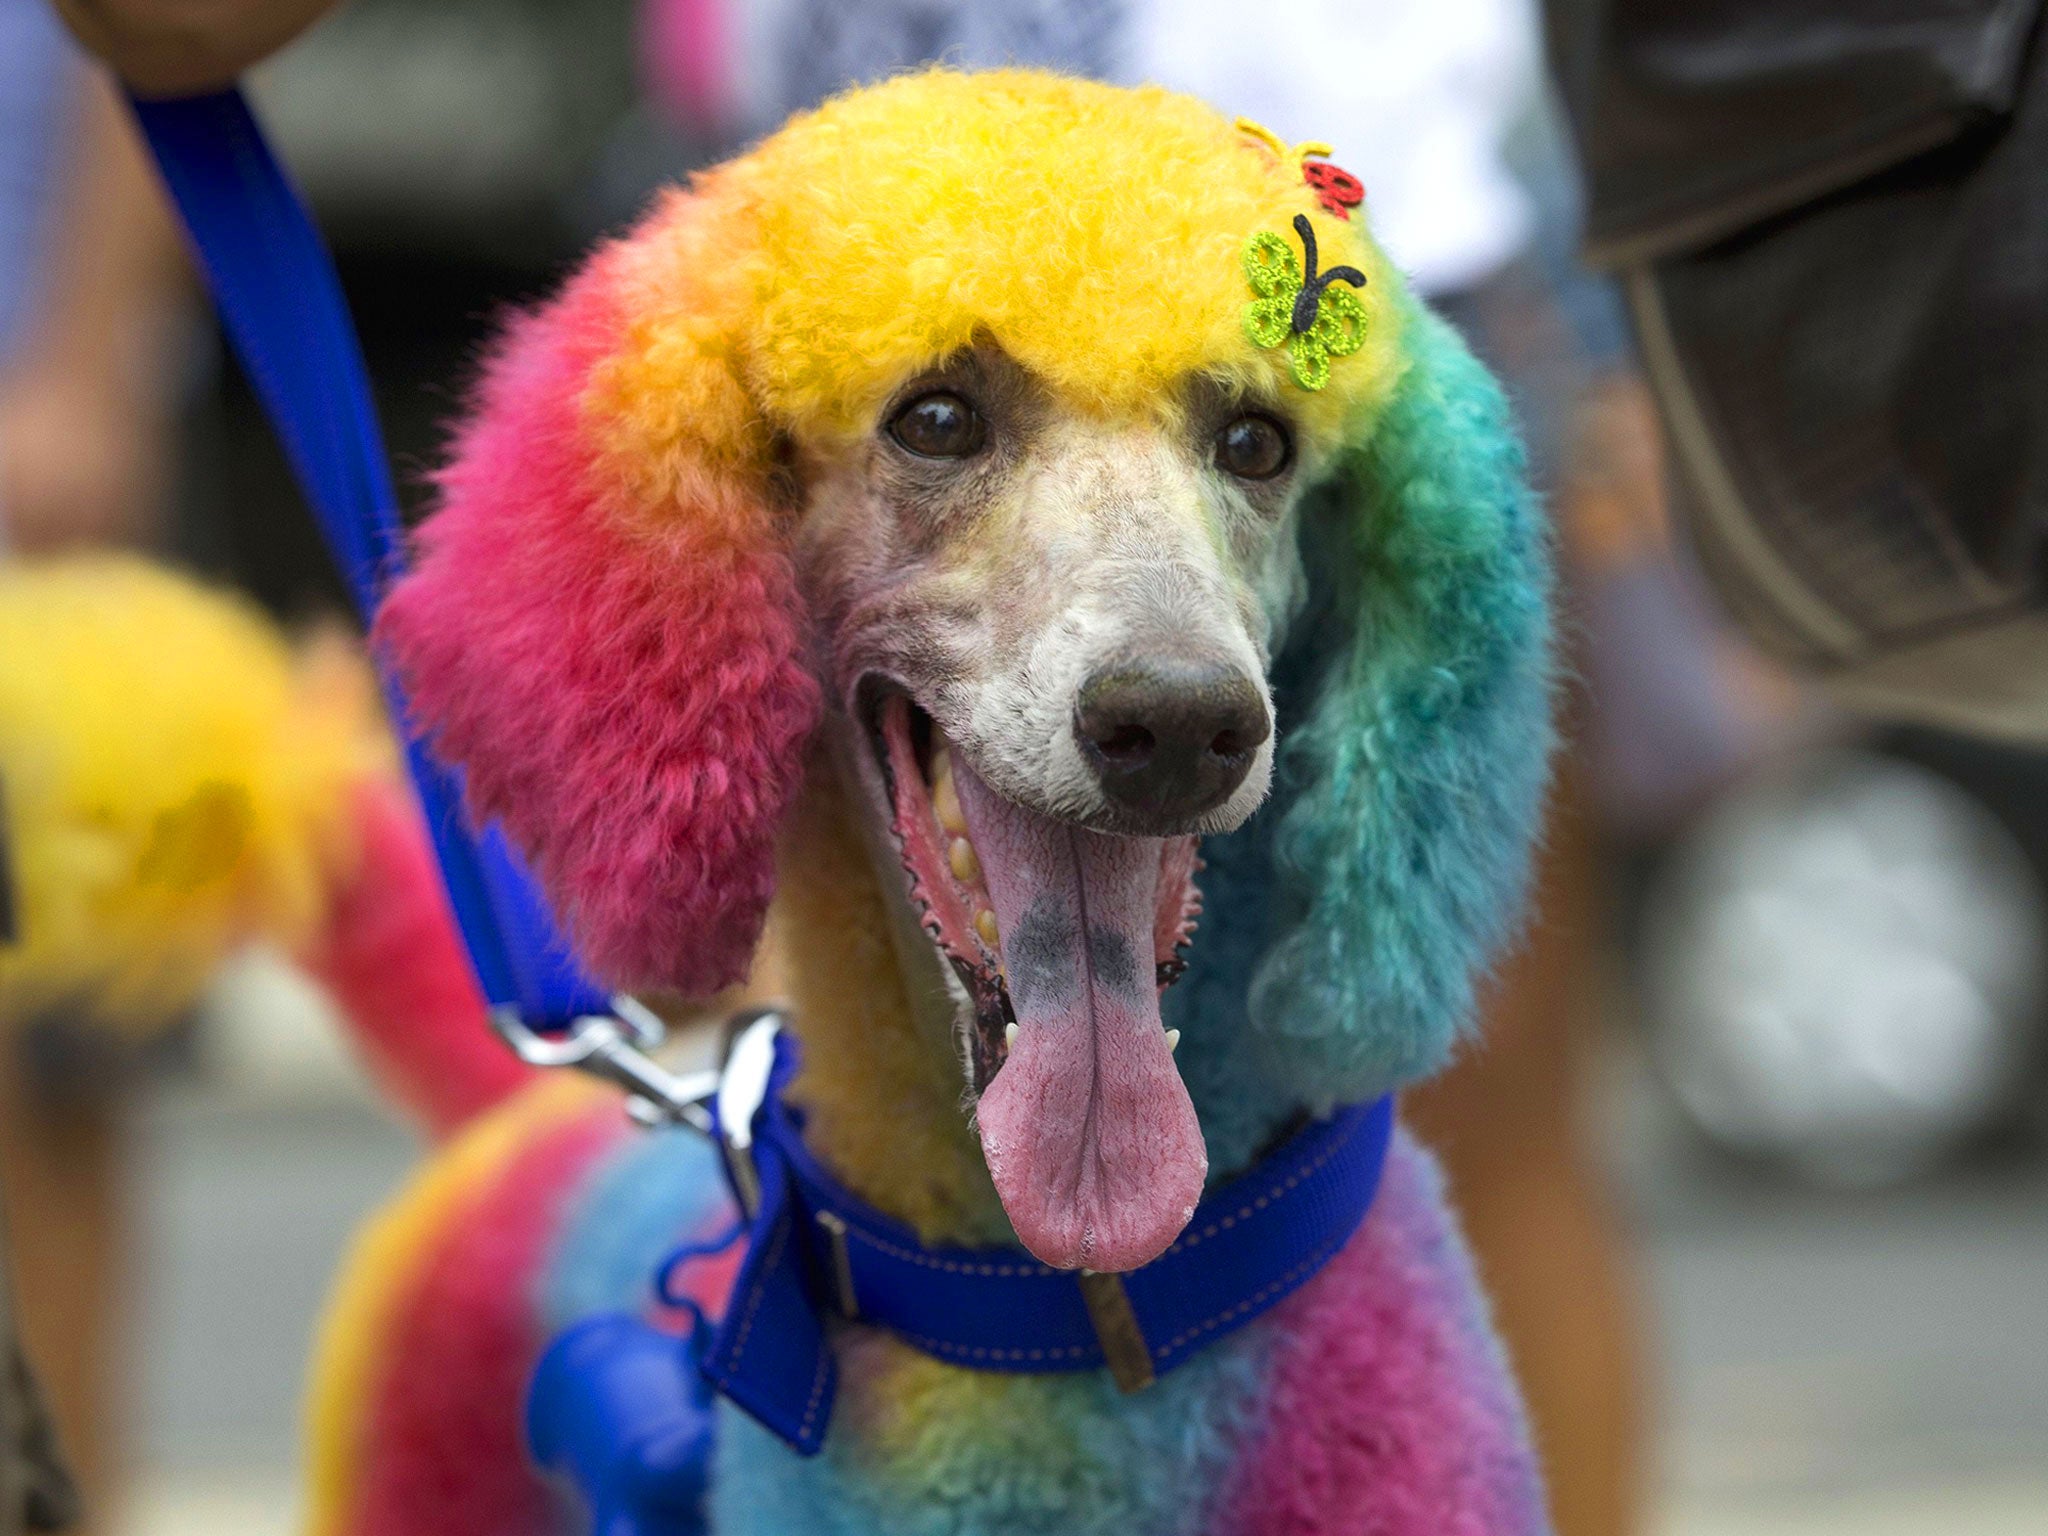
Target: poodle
1021,541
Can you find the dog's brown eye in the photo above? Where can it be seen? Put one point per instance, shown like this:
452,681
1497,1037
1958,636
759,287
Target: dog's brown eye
940,425
1253,448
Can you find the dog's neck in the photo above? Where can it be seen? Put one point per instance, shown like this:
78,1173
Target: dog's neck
880,1087
882,1084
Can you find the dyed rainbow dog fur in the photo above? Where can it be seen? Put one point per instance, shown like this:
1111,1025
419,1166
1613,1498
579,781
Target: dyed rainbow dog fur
606,628
175,782
178,782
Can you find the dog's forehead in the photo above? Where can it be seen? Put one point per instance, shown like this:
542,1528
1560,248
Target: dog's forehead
1098,234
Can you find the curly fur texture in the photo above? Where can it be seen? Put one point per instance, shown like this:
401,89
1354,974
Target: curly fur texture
601,627
1411,792
1361,901
176,783
627,692
1396,1337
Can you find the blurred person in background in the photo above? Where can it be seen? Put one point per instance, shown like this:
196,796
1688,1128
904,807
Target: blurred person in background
91,288
1828,221
94,295
36,1492
178,47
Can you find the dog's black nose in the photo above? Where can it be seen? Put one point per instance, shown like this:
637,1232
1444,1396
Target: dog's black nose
1169,740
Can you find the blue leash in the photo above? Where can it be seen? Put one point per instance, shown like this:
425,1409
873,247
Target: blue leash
283,307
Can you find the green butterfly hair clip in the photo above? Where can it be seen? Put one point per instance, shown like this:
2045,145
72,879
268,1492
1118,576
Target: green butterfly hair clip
1318,322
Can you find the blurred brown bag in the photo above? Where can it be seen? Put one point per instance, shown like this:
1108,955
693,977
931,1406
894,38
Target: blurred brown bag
1831,217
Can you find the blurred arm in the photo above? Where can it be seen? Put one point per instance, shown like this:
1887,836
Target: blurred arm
177,47
83,418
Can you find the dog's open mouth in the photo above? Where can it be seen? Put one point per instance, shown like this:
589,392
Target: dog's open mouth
1063,938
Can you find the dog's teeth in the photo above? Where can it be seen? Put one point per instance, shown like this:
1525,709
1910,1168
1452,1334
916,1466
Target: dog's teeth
1173,1040
1010,1035
985,925
966,866
946,805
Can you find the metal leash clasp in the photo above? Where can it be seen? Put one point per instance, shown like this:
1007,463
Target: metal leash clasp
614,1047
749,1061
719,1104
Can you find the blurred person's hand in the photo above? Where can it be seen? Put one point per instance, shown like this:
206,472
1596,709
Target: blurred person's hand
178,47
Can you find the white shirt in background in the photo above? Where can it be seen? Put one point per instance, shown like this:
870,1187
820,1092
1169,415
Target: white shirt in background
1415,98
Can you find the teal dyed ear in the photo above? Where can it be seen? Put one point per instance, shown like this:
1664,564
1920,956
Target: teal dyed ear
1410,784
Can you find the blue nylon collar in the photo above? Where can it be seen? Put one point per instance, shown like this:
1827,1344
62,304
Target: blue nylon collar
815,1251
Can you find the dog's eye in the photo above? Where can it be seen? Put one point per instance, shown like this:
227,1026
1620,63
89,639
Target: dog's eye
1253,448
940,425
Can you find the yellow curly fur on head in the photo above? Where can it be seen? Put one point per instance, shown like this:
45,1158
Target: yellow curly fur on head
1097,233
176,783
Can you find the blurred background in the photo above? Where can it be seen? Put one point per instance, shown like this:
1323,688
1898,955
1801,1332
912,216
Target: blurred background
1777,1032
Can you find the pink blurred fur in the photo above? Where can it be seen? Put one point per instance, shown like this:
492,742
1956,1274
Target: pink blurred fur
391,958
685,59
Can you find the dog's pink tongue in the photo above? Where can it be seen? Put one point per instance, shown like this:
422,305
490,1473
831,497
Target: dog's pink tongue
1087,1127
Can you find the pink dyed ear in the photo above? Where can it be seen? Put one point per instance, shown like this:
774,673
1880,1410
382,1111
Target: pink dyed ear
624,685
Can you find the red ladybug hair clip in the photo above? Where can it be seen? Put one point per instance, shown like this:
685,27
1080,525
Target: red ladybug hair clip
1336,189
